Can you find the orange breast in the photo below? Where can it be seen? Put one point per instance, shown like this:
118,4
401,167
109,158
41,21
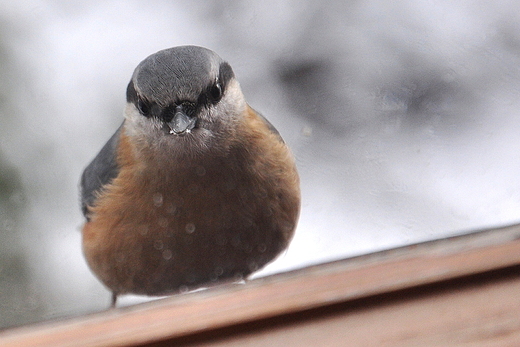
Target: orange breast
164,226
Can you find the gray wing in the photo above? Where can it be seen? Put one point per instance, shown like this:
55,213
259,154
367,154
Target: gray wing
99,172
270,126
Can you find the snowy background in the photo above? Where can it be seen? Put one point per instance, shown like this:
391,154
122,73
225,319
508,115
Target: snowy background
403,117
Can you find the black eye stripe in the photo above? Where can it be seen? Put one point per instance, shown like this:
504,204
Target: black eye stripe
131,97
216,91
225,74
143,107
131,94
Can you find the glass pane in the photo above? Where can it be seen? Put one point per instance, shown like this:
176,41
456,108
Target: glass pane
402,117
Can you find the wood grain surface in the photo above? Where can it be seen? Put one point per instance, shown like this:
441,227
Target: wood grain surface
361,301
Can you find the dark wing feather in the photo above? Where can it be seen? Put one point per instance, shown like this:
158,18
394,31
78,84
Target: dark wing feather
99,172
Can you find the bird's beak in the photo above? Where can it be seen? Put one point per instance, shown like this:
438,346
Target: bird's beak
181,123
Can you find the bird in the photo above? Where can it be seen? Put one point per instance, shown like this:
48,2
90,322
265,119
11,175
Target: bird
193,189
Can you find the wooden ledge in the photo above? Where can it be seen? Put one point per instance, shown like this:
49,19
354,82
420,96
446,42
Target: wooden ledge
230,308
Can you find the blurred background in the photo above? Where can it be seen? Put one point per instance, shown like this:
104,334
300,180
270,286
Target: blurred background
402,115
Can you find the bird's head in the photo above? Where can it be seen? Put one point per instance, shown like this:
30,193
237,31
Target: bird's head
184,95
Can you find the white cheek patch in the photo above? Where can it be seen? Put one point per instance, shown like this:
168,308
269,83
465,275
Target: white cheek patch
234,96
136,124
232,105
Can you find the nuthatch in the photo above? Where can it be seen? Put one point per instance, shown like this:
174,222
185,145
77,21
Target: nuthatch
194,186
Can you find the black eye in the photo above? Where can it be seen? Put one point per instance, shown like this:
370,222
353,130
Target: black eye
215,92
143,107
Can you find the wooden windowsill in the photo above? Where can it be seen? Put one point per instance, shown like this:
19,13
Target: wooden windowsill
453,289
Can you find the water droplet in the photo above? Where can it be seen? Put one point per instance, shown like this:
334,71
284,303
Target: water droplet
157,199
307,131
200,171
183,289
143,230
162,222
262,247
170,208
158,244
167,254
190,228
219,271
193,189
247,248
